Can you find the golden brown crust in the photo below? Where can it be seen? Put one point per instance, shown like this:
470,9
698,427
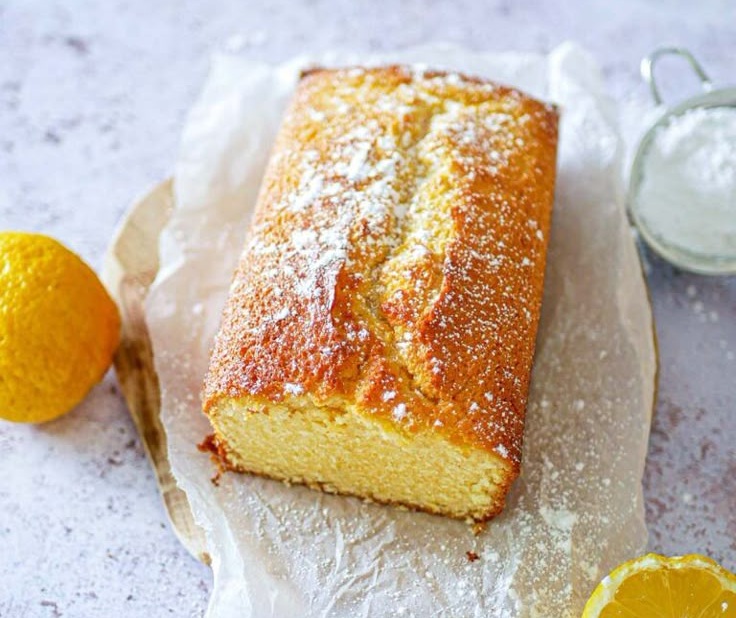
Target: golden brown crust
397,254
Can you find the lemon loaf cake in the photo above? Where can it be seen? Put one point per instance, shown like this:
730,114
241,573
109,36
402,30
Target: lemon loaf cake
379,333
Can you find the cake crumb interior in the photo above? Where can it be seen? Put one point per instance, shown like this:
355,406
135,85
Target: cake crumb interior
306,443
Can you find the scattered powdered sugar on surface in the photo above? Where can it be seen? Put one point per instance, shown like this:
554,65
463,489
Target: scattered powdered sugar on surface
561,519
687,196
291,551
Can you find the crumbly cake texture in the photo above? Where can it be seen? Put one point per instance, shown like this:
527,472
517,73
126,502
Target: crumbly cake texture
380,329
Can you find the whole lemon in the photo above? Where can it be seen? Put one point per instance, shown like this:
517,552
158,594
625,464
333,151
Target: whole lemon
58,328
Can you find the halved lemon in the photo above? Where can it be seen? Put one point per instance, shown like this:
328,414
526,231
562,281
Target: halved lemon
655,586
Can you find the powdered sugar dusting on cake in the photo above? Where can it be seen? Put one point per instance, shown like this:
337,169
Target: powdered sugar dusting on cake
399,412
293,389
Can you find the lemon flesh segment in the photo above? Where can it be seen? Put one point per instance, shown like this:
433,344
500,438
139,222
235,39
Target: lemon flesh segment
655,586
59,328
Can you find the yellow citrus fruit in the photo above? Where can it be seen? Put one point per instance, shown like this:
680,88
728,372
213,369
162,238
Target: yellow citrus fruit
58,328
656,586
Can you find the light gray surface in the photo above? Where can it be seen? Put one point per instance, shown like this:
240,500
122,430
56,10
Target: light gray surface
92,97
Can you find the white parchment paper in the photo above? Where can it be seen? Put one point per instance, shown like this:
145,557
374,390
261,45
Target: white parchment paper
576,510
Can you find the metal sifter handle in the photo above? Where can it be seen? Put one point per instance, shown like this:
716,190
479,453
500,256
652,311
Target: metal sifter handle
647,69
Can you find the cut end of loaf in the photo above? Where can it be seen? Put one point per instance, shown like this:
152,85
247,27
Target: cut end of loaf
340,450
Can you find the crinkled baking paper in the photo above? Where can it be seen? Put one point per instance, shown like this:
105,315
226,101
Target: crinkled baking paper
576,510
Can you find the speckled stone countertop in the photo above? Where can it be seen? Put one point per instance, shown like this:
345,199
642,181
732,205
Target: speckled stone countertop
92,99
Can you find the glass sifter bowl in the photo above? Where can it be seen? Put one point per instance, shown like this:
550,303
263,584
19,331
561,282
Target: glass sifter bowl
718,260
